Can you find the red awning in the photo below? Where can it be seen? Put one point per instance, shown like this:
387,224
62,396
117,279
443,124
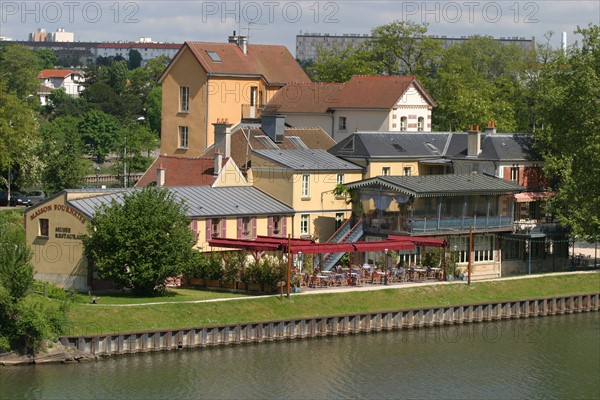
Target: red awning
243,244
383,245
421,241
527,197
321,248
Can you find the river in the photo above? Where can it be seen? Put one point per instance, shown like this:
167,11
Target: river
554,357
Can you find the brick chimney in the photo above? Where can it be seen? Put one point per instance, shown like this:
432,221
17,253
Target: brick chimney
473,142
223,137
218,162
160,176
491,128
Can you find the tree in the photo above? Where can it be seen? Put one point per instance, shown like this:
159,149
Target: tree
117,76
569,137
62,152
100,133
141,241
19,68
60,104
153,108
135,59
339,64
47,58
402,47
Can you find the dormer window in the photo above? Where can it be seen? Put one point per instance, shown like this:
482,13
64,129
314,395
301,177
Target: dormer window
213,56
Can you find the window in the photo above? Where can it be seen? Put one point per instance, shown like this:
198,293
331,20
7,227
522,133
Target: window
183,137
253,92
407,171
44,227
276,224
305,186
403,123
339,220
215,227
483,246
184,98
420,124
304,228
514,174
342,123
213,56
386,171
339,179
246,226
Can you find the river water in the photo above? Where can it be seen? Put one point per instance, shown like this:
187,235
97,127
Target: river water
556,357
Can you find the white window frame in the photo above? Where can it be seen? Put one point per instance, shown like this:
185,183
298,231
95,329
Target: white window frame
386,171
339,179
403,123
420,124
305,224
184,98
305,186
514,174
407,171
342,124
183,137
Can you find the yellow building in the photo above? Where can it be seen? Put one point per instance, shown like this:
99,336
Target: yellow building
210,82
304,179
54,227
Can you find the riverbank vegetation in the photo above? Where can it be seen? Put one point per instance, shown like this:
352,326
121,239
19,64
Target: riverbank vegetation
92,319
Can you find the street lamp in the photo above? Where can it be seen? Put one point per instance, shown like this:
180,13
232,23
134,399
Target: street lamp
386,267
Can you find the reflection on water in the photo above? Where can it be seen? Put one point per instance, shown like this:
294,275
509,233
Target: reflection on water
549,357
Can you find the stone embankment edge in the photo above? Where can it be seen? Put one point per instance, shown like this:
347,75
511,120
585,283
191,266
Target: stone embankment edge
79,348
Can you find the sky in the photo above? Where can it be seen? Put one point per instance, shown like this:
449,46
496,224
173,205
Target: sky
278,22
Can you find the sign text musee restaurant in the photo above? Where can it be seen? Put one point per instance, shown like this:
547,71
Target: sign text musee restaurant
58,207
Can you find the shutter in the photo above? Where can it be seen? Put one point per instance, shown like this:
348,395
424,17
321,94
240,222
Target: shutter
208,227
253,221
270,226
195,229
283,223
223,222
240,223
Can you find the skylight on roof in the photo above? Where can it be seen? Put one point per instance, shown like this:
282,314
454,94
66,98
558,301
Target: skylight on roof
213,55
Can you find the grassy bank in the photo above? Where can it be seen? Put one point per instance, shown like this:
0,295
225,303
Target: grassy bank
96,319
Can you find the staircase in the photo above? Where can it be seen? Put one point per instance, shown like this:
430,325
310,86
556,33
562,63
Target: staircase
345,234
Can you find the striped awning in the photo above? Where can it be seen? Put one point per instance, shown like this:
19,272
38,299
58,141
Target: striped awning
527,197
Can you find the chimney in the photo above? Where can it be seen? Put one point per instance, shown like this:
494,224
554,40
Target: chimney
473,142
160,176
218,162
233,38
223,136
243,43
273,125
491,128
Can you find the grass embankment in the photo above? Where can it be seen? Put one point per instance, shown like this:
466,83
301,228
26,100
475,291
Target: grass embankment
172,296
97,319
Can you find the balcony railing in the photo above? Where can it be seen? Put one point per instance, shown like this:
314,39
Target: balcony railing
435,225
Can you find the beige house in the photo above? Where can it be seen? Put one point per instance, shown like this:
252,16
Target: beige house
54,227
210,82
364,103
304,179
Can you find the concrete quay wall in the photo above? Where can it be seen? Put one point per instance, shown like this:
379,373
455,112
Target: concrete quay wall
257,332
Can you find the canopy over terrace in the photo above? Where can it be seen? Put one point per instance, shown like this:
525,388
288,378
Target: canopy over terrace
305,246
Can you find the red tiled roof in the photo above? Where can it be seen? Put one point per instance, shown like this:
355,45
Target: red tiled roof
306,97
362,91
180,171
140,45
56,73
273,62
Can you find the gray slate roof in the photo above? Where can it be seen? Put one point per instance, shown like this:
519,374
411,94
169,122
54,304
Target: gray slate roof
308,160
431,145
440,185
204,201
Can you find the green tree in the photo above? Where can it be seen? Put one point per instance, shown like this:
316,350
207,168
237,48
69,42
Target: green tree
19,68
153,106
569,134
62,152
47,58
100,134
141,241
60,104
117,76
339,64
135,59
402,47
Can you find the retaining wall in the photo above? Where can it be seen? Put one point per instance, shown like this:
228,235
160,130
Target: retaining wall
258,332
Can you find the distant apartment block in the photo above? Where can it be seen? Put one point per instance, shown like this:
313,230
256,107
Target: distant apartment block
149,50
308,44
59,36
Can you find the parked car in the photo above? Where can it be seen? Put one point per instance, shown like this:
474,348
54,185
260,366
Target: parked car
35,196
19,199
3,199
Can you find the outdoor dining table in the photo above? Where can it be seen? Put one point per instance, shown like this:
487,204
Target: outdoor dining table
322,280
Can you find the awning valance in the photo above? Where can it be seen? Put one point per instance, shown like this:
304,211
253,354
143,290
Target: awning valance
527,197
